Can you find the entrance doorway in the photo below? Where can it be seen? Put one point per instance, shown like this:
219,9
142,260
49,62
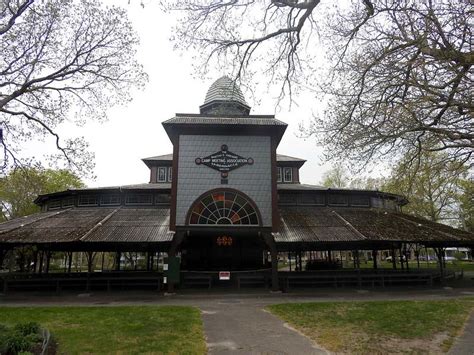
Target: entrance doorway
222,252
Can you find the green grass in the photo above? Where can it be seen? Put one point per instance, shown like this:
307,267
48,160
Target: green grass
117,330
379,326
451,265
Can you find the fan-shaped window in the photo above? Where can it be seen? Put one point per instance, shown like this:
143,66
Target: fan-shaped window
224,207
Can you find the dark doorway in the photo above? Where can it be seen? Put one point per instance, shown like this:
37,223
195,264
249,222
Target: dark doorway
222,252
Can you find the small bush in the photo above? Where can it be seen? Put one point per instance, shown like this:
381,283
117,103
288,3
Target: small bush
20,339
17,343
27,328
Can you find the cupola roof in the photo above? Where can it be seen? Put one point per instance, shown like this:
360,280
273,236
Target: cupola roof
225,97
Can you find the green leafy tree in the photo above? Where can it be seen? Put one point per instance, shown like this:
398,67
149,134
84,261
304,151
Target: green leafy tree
466,204
336,177
20,188
431,185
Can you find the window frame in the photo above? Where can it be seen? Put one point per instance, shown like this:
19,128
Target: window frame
279,174
170,173
129,196
102,197
89,198
165,174
284,174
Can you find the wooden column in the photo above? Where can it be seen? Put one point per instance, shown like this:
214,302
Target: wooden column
394,262
48,260
401,257
176,242
69,262
270,241
41,258
118,256
374,257
90,260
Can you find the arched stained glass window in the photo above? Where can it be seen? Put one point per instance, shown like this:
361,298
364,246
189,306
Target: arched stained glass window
224,207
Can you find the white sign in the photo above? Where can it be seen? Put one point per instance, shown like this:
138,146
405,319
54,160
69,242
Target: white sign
224,275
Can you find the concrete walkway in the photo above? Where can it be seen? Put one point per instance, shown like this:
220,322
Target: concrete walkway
237,327
464,345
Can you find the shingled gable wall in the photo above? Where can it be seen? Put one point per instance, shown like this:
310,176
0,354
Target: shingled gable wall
253,180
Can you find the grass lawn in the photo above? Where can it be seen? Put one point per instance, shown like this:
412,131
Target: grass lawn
117,330
451,265
379,327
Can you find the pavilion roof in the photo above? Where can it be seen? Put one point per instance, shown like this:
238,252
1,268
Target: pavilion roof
313,226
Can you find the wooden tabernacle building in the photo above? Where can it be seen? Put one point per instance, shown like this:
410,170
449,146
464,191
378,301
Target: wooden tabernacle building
224,200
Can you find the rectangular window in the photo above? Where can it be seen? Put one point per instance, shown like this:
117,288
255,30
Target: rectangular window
311,199
110,200
54,205
287,199
363,201
162,174
139,199
279,179
338,200
68,202
170,173
288,174
88,200
162,199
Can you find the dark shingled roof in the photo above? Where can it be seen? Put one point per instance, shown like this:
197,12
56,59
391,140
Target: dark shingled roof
280,158
251,120
332,225
340,227
87,225
164,157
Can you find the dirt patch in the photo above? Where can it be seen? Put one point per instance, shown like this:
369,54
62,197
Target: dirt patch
351,341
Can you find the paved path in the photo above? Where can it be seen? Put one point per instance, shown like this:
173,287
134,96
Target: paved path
464,345
238,327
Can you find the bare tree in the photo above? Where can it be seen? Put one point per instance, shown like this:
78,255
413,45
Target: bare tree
61,60
399,79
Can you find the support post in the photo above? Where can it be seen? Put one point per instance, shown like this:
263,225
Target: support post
40,269
69,262
176,242
48,261
118,256
400,255
394,262
374,257
289,259
102,262
270,241
90,261
35,261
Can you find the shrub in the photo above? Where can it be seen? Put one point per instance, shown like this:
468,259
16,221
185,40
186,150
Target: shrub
20,339
27,328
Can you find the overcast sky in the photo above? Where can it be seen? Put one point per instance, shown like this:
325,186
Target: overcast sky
135,131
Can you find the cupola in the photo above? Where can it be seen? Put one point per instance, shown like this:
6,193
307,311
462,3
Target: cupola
224,97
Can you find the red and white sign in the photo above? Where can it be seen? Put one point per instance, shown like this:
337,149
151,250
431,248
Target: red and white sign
224,275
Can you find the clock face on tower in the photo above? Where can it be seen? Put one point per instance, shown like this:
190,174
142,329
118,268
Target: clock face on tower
224,161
